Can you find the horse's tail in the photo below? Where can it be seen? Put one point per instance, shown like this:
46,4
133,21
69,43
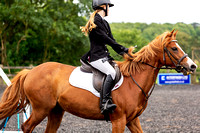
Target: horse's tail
14,99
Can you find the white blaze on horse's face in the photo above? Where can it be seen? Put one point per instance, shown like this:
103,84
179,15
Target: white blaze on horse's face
192,66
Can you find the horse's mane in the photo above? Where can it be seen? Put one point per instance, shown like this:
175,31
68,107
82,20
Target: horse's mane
132,62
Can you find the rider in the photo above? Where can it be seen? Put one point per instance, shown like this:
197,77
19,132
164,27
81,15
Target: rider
98,56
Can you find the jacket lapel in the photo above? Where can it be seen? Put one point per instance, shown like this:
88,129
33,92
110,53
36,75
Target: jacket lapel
106,25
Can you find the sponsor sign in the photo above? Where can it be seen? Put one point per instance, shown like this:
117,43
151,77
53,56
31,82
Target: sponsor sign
173,78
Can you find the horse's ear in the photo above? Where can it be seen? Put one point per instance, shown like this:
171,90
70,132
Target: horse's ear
171,33
175,33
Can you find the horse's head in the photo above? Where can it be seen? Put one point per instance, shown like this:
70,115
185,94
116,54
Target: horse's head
165,50
174,56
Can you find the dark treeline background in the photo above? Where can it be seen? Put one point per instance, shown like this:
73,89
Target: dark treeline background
37,31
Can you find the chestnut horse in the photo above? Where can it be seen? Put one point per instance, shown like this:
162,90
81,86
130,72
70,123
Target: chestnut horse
46,87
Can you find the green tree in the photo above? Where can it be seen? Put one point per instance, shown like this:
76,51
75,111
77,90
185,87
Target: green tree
185,36
153,30
127,37
36,31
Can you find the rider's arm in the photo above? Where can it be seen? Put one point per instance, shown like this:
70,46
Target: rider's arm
107,38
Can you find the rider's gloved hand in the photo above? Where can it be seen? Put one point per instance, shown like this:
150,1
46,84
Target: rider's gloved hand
125,50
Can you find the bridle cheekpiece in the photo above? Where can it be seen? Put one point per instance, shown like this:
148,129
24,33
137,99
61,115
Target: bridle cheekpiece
178,67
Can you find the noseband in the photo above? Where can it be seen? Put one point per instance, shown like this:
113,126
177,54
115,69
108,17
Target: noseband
178,67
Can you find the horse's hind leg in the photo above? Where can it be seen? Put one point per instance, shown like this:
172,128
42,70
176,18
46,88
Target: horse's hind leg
54,119
35,118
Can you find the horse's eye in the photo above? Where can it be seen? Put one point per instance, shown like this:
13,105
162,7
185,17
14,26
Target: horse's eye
174,49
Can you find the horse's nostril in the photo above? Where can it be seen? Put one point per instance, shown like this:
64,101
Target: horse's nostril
193,67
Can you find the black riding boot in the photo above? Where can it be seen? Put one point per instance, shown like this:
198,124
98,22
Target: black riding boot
106,104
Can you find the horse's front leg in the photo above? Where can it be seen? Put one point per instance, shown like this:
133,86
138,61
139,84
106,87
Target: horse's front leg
134,126
118,123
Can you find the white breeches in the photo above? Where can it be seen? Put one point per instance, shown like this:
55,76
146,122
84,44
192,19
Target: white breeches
104,66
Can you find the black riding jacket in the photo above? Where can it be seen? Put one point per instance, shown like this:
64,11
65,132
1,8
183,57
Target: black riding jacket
99,37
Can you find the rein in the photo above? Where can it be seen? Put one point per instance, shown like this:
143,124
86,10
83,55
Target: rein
146,95
178,68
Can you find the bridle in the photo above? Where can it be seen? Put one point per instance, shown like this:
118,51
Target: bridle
177,65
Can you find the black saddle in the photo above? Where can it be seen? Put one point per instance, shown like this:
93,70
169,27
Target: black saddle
98,76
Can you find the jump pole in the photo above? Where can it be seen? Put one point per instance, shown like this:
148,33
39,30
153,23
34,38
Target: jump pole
27,109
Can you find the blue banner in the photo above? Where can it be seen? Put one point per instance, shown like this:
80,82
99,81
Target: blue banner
173,78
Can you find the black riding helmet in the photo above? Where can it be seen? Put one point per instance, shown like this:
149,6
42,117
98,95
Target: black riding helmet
97,3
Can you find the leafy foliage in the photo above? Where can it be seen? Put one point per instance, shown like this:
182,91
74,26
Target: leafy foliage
142,34
36,31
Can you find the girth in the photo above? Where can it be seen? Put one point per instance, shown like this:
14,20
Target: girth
98,76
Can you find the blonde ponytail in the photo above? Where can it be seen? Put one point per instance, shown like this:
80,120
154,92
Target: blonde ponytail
90,24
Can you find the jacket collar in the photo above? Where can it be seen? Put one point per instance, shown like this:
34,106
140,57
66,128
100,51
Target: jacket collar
98,17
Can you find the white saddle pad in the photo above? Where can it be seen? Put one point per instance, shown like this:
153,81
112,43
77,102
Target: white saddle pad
84,81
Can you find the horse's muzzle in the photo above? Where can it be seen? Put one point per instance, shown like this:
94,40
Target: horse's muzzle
193,68
189,70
